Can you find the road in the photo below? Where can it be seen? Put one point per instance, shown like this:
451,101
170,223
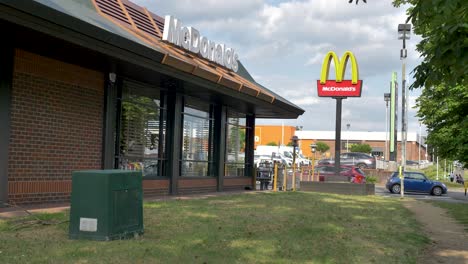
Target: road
456,195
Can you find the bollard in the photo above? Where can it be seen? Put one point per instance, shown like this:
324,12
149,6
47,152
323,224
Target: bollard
285,179
294,178
275,177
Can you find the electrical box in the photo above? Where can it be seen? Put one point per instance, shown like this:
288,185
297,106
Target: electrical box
106,205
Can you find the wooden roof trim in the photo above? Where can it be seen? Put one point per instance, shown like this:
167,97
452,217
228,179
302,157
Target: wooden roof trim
124,10
174,57
152,22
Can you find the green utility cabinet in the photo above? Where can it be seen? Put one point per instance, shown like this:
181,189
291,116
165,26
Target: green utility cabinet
106,204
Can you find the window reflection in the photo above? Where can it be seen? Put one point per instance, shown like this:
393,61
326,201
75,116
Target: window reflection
143,128
235,144
197,139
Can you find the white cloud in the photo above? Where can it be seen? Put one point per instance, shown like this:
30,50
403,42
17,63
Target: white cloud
308,100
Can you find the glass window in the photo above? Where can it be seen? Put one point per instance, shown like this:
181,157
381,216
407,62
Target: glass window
143,129
236,131
197,139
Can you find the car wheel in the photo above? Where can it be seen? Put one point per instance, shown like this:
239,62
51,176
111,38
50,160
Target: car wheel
396,188
437,191
362,166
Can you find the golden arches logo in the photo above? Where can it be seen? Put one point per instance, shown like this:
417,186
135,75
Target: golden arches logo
339,87
340,67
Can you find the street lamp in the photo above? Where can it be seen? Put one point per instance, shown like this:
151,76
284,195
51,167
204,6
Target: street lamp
347,138
386,99
404,32
294,141
313,148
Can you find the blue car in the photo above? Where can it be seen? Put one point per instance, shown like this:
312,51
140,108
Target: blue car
415,182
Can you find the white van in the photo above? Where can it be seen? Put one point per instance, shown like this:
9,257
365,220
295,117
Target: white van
285,152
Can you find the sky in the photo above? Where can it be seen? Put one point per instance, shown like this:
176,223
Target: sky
282,44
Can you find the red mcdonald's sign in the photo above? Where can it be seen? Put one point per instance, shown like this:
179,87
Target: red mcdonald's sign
339,87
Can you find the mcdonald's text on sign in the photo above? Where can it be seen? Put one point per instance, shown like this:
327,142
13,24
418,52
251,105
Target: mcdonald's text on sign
339,87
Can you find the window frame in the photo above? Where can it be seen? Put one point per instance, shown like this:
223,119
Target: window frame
198,105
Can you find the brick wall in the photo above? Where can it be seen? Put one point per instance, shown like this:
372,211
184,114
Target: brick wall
56,127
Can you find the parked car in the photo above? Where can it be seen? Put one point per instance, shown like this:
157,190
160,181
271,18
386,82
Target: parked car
352,173
361,160
415,182
412,163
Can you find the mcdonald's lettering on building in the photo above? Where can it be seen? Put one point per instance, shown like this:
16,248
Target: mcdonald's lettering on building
339,87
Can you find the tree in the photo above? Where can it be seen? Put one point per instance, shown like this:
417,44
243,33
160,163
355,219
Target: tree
272,143
322,147
363,148
443,104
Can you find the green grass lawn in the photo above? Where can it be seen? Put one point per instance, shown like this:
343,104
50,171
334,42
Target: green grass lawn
292,227
459,211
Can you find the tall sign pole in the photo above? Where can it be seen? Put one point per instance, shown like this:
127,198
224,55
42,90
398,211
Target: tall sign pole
339,101
393,117
339,89
404,34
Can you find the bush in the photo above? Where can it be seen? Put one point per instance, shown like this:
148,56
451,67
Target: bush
371,179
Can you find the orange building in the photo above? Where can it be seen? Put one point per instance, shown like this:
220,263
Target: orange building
281,135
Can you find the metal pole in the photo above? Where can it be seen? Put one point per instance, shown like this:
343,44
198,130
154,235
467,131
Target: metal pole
275,179
313,166
404,116
437,177
347,137
338,134
386,131
294,170
285,178
445,168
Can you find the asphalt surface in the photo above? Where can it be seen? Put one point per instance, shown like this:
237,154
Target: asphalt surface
455,195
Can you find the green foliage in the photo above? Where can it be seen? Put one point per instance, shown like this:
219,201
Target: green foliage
443,104
371,179
290,144
272,143
363,148
137,111
236,141
442,25
444,110
322,147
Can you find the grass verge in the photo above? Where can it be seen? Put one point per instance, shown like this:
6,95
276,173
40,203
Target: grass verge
292,227
459,211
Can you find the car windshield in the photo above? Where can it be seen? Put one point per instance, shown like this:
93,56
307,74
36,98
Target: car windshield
360,171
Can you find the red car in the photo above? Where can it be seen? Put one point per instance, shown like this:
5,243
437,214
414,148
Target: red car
349,173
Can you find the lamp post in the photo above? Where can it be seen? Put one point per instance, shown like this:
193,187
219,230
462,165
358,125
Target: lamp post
386,99
404,31
294,141
347,136
313,148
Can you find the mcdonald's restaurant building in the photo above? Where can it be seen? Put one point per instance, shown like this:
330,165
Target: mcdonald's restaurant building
103,84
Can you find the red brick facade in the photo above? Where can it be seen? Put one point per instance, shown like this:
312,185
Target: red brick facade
56,127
